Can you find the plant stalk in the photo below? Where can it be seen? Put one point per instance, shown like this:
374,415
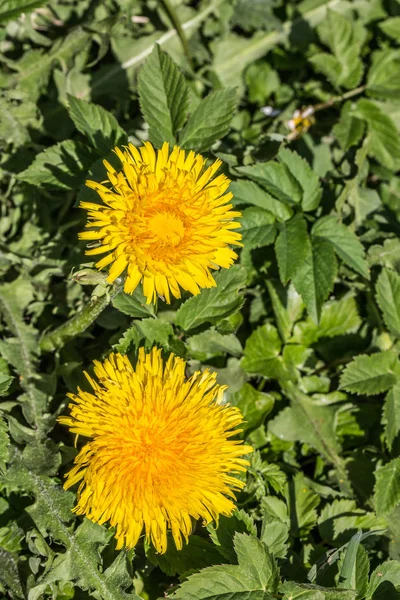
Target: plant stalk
54,340
172,14
336,99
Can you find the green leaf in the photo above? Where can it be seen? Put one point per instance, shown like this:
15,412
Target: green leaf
248,192
210,121
197,554
276,179
384,141
370,375
384,75
302,502
100,126
258,228
349,129
274,534
391,414
384,582
348,567
387,487
253,405
306,177
211,343
133,305
223,535
215,303
287,306
253,579
11,9
309,591
261,353
164,97
155,331
391,27
63,166
292,247
315,278
5,382
388,298
346,244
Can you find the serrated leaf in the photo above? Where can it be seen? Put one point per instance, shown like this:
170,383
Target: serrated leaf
210,121
315,278
248,192
99,125
133,305
276,179
348,130
215,303
197,554
391,27
164,97
261,353
384,582
346,243
211,343
302,502
388,298
258,228
63,166
387,487
384,141
306,177
274,534
370,375
328,65
155,331
391,414
254,406
223,535
253,579
5,382
384,75
292,247
11,9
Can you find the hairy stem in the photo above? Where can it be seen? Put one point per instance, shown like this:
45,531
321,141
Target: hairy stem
54,340
172,14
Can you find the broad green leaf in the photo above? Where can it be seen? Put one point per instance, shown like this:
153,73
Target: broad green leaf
254,406
384,141
215,303
258,228
328,65
164,97
248,192
99,125
349,129
223,535
292,247
346,244
306,177
5,382
387,487
155,331
302,502
253,578
276,179
314,279
338,317
210,121
370,375
197,554
384,581
261,353
306,422
391,27
384,75
11,9
211,342
133,305
348,567
388,298
62,166
287,306
309,591
391,414
274,534
342,517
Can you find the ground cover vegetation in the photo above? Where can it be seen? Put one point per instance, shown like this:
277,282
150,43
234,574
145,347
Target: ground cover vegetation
300,103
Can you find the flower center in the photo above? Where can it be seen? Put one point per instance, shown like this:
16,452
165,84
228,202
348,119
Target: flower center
168,228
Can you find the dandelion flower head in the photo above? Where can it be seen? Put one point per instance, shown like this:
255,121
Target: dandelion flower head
161,452
165,221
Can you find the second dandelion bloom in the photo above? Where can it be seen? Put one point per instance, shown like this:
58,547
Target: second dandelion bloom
165,221
161,452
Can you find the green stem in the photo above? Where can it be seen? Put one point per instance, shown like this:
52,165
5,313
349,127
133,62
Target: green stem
172,14
336,99
80,322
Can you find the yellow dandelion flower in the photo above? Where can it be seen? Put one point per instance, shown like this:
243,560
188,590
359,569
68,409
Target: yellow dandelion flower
165,220
161,452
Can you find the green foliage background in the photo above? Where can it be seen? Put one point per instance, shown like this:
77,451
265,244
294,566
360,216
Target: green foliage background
305,328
